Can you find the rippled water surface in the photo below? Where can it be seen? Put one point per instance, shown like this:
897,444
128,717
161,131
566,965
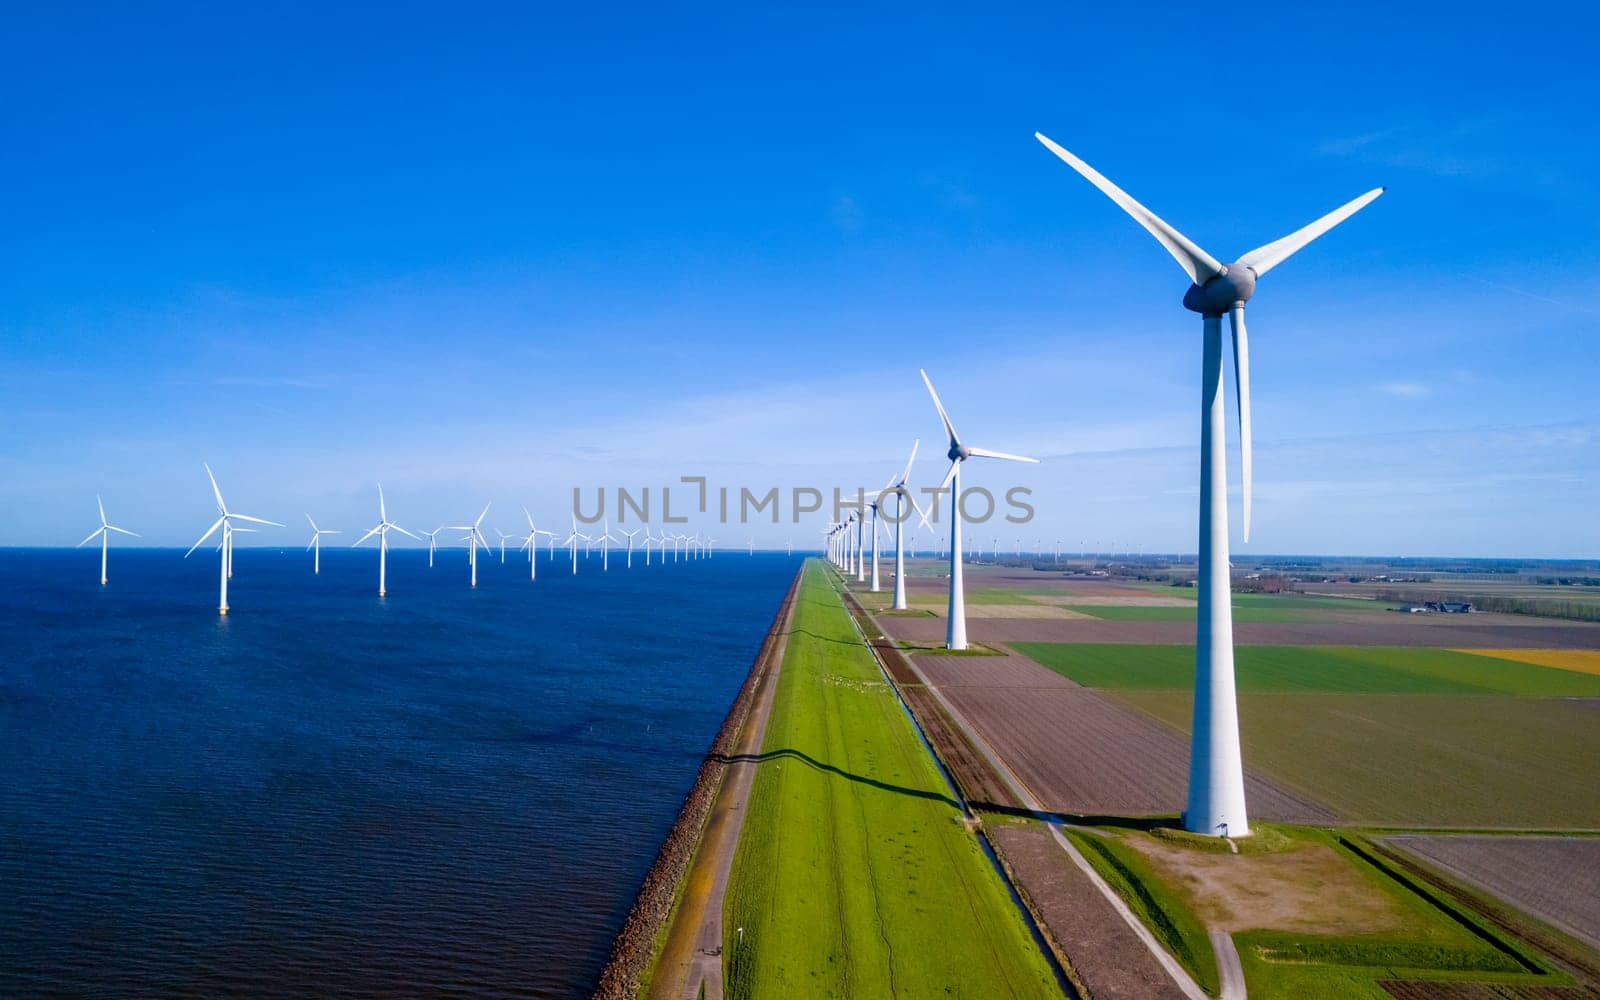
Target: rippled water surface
328,794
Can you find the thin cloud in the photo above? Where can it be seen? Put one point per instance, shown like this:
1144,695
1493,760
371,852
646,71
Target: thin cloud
1405,390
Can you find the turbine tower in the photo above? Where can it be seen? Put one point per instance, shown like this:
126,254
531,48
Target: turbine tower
1216,803
225,522
955,636
316,545
382,529
432,541
629,535
104,534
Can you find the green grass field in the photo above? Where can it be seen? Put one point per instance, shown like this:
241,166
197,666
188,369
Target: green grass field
856,875
1351,669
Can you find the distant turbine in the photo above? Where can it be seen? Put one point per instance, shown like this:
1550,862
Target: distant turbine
225,522
316,544
475,539
504,536
572,540
751,541
956,626
382,529
647,541
902,493
1216,803
432,540
629,535
532,545
104,534
605,539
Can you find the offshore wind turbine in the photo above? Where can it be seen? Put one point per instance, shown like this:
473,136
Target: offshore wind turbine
432,537
225,522
629,535
474,540
532,545
504,536
605,539
316,544
382,529
572,541
1216,803
104,534
956,625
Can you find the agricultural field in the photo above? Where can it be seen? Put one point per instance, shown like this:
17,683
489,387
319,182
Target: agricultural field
1080,751
1584,661
856,875
1311,913
1372,669
1419,760
1554,878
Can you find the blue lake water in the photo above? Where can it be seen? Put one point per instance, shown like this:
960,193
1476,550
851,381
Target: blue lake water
324,793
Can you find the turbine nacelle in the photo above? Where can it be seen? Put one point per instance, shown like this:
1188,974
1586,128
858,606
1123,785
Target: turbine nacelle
1217,296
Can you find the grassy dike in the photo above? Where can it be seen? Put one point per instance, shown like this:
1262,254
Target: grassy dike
856,874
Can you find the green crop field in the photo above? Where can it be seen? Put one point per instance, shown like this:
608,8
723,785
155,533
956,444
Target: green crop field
1419,760
855,874
1369,669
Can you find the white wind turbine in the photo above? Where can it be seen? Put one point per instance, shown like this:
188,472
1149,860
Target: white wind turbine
751,542
382,529
605,539
432,537
1216,803
504,537
225,522
572,541
902,493
104,534
316,544
629,535
532,545
956,627
647,541
475,540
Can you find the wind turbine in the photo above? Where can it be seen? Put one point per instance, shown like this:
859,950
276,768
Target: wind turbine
382,529
956,626
572,541
750,540
104,534
503,537
225,522
902,493
474,540
316,544
605,539
532,545
629,535
432,538
1216,803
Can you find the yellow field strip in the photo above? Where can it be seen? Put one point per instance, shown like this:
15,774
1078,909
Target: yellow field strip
1583,661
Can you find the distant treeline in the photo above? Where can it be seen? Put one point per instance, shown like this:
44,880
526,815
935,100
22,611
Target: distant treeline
1543,607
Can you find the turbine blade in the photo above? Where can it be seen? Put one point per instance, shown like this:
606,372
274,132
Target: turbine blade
483,515
311,522
986,453
221,507
383,513
254,520
1241,379
530,518
944,483
904,476
944,417
124,531
92,536
1265,258
1199,264
368,535
219,522
102,505
921,514
396,527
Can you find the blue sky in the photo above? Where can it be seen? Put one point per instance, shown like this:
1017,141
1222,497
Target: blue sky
500,255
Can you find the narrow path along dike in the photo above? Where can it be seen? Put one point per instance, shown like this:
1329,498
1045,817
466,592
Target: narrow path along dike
692,867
